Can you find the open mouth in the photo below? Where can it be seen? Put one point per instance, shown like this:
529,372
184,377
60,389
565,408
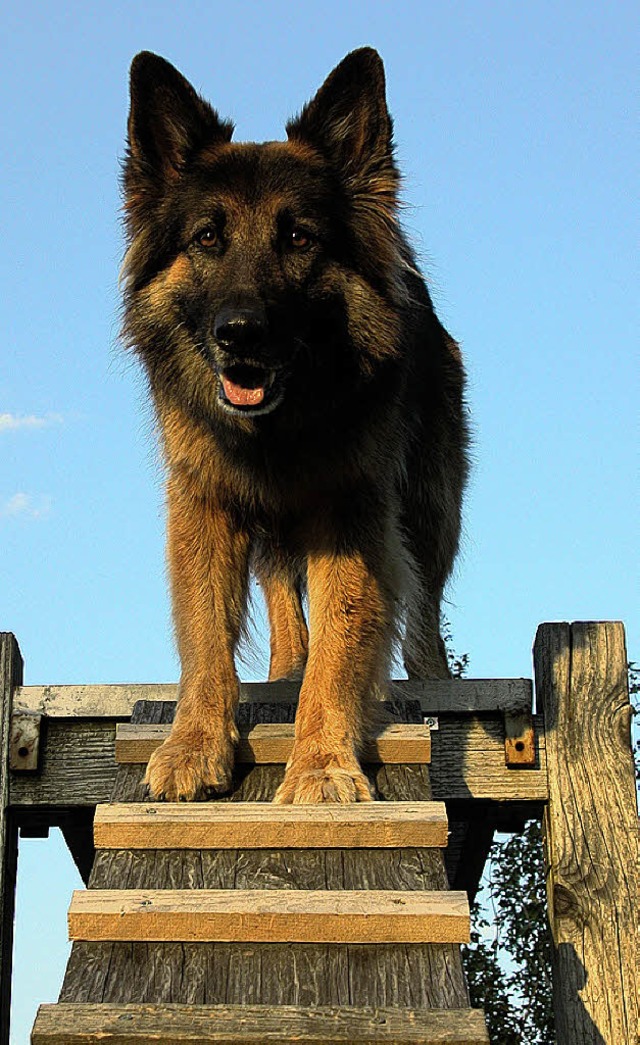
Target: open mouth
248,389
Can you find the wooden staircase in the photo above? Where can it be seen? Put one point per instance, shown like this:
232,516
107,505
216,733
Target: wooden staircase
239,921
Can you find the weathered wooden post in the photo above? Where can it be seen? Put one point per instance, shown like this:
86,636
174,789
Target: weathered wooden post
591,831
10,677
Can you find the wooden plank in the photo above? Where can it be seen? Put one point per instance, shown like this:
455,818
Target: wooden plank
466,696
272,743
10,677
118,700
467,761
270,915
591,836
254,825
71,1024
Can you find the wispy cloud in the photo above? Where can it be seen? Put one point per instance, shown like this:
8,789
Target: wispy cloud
25,506
10,422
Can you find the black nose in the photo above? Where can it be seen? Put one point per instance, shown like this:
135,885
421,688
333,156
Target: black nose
240,327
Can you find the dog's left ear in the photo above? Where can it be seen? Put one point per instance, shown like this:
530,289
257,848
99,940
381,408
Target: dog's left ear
348,119
168,120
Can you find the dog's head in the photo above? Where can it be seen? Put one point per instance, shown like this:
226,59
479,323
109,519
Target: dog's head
244,259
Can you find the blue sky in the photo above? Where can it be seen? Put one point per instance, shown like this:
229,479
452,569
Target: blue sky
514,132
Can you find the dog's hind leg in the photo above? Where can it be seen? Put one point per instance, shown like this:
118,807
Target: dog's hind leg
431,525
289,638
423,650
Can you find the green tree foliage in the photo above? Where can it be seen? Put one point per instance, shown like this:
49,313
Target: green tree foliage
508,962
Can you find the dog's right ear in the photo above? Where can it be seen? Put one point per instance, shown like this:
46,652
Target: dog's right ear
168,121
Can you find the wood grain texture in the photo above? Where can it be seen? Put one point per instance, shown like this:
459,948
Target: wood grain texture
118,700
591,831
466,696
77,766
260,825
268,743
235,1025
269,916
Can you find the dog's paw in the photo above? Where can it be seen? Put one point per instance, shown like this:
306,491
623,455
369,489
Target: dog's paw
307,784
190,766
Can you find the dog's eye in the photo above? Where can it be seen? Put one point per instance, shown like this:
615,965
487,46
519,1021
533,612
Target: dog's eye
207,237
300,239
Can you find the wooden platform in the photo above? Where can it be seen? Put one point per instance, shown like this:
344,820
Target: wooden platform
234,1025
271,743
494,763
333,913
262,825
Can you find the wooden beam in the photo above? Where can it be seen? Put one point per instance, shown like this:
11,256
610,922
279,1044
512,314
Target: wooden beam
269,916
77,831
10,677
78,766
261,825
468,761
466,696
468,849
453,696
77,1024
272,743
591,835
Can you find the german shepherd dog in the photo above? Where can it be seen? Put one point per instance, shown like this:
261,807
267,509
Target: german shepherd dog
311,413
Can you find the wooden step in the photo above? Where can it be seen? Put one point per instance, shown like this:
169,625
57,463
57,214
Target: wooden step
82,1024
269,916
262,825
271,742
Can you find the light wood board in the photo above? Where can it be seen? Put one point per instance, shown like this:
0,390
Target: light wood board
270,915
272,742
262,825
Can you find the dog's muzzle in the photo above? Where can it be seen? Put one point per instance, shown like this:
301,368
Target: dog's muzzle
247,385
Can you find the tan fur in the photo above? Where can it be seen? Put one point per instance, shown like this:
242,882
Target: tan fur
349,620
289,634
209,563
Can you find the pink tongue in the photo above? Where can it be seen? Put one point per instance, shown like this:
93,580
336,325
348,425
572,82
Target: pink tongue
240,396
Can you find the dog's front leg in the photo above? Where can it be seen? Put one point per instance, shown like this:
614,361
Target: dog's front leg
350,615
208,562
